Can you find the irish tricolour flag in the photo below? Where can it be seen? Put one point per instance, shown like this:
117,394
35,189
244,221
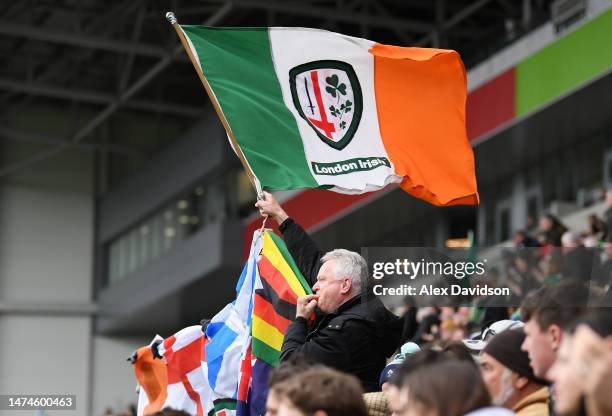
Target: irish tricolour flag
308,108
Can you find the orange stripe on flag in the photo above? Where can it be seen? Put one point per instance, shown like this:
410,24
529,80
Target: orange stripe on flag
430,148
274,277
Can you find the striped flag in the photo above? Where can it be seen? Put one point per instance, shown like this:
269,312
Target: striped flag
308,108
200,372
279,283
224,370
275,302
230,338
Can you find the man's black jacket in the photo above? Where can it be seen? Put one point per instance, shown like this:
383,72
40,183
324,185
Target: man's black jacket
356,339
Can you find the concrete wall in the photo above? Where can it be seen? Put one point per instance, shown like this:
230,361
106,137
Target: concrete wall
45,355
46,273
113,382
46,232
48,343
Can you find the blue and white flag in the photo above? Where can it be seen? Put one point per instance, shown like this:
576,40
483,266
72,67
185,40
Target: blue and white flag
229,335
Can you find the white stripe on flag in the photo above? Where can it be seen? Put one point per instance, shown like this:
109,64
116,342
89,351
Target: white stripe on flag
292,47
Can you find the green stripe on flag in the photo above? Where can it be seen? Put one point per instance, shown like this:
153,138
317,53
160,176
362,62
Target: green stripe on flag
266,353
222,404
237,62
566,64
287,256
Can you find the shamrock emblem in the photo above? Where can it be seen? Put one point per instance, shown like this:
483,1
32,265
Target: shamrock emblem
337,89
329,90
333,88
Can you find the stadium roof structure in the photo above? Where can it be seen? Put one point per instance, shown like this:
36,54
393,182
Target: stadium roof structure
118,60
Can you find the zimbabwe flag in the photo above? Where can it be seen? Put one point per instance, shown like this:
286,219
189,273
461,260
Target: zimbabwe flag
275,301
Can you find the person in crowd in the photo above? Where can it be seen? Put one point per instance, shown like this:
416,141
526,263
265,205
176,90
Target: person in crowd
552,264
446,387
350,335
168,411
522,239
485,309
450,330
287,369
528,274
392,386
546,313
603,272
491,411
409,316
494,312
376,403
582,373
597,230
509,378
455,349
428,318
320,391
391,369
551,229
579,262
385,402
453,324
475,345
607,215
392,391
531,224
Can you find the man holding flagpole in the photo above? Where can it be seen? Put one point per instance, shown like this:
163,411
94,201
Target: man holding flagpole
352,335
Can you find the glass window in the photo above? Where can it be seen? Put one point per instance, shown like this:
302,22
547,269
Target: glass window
226,194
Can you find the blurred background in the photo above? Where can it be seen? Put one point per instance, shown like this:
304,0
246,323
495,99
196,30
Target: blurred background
124,213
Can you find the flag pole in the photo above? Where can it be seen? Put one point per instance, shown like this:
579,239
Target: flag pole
213,99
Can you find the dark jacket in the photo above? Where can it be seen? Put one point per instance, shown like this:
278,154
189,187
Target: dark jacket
580,264
356,339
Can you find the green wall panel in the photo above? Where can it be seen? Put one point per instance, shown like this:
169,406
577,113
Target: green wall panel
564,65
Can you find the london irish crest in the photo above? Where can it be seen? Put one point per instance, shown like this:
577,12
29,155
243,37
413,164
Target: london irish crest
327,95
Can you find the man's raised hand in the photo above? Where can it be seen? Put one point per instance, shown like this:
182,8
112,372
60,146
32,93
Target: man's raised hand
269,206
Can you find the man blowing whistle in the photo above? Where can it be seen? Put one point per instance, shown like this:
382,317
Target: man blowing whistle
352,334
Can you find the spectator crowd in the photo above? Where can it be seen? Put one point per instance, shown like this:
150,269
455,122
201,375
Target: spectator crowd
549,355
556,360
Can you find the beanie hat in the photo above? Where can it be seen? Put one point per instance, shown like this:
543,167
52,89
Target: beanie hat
409,348
506,348
388,372
406,349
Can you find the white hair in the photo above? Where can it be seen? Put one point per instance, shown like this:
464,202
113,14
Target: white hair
570,239
506,389
348,264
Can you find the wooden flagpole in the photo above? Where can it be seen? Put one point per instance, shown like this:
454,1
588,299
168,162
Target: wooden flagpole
254,181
